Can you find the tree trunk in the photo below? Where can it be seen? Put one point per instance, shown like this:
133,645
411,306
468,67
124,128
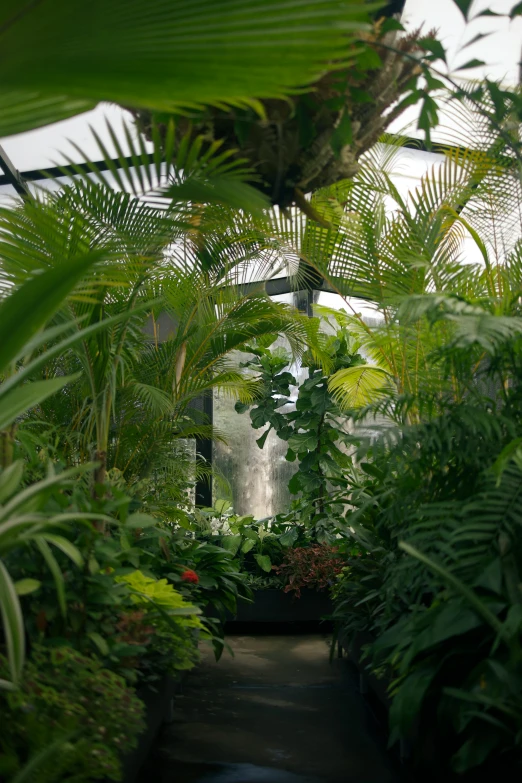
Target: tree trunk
100,473
7,446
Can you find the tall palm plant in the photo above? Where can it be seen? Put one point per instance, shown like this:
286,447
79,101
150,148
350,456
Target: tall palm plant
406,257
164,258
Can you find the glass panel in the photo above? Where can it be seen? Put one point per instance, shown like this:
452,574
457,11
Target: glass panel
350,305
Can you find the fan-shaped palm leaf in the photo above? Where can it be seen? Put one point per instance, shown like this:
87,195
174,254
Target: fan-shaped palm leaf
64,57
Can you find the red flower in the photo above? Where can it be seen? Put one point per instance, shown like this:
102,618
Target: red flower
190,576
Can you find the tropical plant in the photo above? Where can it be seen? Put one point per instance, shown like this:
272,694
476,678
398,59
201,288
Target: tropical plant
69,704
24,519
437,585
208,53
212,578
316,429
312,567
137,391
315,138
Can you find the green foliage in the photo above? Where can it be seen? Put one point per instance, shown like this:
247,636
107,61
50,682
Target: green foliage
312,567
160,594
435,506
90,274
140,625
30,518
234,57
316,137
82,712
316,429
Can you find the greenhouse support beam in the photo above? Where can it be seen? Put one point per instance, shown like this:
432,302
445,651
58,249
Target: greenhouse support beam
204,451
36,175
11,175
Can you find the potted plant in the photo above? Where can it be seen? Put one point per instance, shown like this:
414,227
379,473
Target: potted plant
305,577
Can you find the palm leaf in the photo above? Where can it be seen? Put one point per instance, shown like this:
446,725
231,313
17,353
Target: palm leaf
32,305
186,170
13,626
356,387
62,56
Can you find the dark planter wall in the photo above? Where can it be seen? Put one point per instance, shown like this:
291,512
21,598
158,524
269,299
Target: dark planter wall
275,606
158,709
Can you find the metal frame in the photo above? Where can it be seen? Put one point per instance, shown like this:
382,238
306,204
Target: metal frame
11,175
19,180
204,486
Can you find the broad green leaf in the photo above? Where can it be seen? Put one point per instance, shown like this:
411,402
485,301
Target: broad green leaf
407,702
10,479
300,442
262,440
356,387
66,546
473,599
61,56
247,545
33,303
26,586
475,751
289,537
12,624
100,642
231,543
93,565
139,520
124,542
443,622
222,506
264,562
434,46
19,400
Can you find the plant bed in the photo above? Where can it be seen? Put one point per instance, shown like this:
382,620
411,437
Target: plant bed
158,710
276,606
378,686
368,680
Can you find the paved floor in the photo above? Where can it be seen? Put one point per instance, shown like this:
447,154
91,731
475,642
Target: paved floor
277,712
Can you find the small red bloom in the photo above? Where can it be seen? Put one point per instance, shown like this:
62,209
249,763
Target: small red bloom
190,576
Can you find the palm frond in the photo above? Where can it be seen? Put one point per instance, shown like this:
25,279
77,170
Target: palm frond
63,58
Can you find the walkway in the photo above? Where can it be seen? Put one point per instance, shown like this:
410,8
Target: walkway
278,712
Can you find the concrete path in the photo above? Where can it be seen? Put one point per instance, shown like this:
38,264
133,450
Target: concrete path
277,712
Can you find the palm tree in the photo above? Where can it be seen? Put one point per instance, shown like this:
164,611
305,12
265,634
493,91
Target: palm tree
406,257
161,257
